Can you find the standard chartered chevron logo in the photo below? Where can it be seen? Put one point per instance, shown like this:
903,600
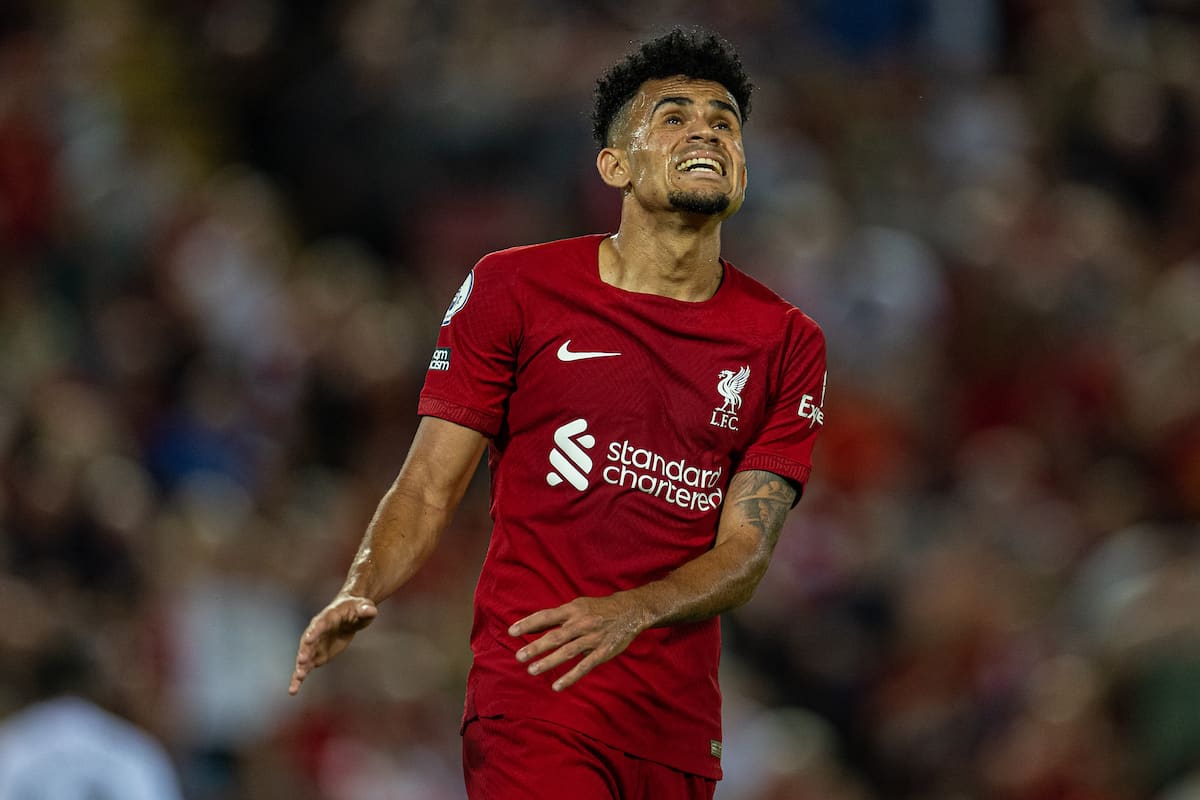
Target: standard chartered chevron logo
570,461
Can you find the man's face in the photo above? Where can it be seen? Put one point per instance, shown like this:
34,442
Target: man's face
683,143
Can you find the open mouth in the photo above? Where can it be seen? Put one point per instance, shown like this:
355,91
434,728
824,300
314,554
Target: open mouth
701,165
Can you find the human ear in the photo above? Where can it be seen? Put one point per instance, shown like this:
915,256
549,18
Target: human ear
610,163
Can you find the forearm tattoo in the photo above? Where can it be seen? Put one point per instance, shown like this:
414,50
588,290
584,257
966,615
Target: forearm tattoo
764,500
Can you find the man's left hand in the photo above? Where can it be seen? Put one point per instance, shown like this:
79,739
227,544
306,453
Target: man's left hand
597,628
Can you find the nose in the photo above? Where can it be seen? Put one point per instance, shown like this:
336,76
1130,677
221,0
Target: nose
702,131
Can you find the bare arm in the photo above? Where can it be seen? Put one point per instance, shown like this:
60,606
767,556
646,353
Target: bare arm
407,524
599,628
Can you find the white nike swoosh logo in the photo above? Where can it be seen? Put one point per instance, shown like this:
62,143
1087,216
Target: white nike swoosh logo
565,354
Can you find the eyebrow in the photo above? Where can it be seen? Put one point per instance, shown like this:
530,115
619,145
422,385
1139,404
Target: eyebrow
687,101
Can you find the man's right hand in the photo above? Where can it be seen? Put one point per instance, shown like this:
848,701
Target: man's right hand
329,633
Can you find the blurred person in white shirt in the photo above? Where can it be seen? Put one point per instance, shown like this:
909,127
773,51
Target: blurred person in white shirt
64,746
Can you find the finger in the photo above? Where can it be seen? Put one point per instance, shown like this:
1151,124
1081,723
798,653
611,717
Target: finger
364,611
356,617
299,673
344,614
352,616
304,659
560,656
554,639
317,627
539,621
586,665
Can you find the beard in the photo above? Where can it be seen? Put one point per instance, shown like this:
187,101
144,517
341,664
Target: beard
697,203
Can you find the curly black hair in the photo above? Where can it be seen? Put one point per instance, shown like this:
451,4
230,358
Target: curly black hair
693,53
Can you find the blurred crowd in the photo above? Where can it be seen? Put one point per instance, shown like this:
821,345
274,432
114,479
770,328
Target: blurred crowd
229,228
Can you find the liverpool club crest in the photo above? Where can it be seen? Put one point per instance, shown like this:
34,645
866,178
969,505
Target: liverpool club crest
729,386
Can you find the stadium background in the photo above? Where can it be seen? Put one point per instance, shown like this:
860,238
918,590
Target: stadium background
228,229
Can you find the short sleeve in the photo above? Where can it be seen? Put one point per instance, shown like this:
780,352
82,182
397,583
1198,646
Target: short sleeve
795,412
471,371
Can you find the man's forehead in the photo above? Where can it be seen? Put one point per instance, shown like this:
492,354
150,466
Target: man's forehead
697,90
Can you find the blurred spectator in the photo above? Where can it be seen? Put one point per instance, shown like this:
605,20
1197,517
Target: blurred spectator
63,746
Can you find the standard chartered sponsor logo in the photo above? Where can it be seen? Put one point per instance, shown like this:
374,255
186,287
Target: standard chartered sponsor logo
674,481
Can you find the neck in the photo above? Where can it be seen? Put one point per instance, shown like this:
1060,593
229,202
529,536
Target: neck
676,256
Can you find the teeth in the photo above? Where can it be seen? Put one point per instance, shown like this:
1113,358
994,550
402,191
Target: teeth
701,163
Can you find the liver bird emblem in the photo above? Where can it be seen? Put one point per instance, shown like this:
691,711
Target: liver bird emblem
730,386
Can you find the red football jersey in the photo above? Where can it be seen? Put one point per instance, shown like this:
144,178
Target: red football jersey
616,419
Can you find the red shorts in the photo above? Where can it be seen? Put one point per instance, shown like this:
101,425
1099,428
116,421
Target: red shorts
506,758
